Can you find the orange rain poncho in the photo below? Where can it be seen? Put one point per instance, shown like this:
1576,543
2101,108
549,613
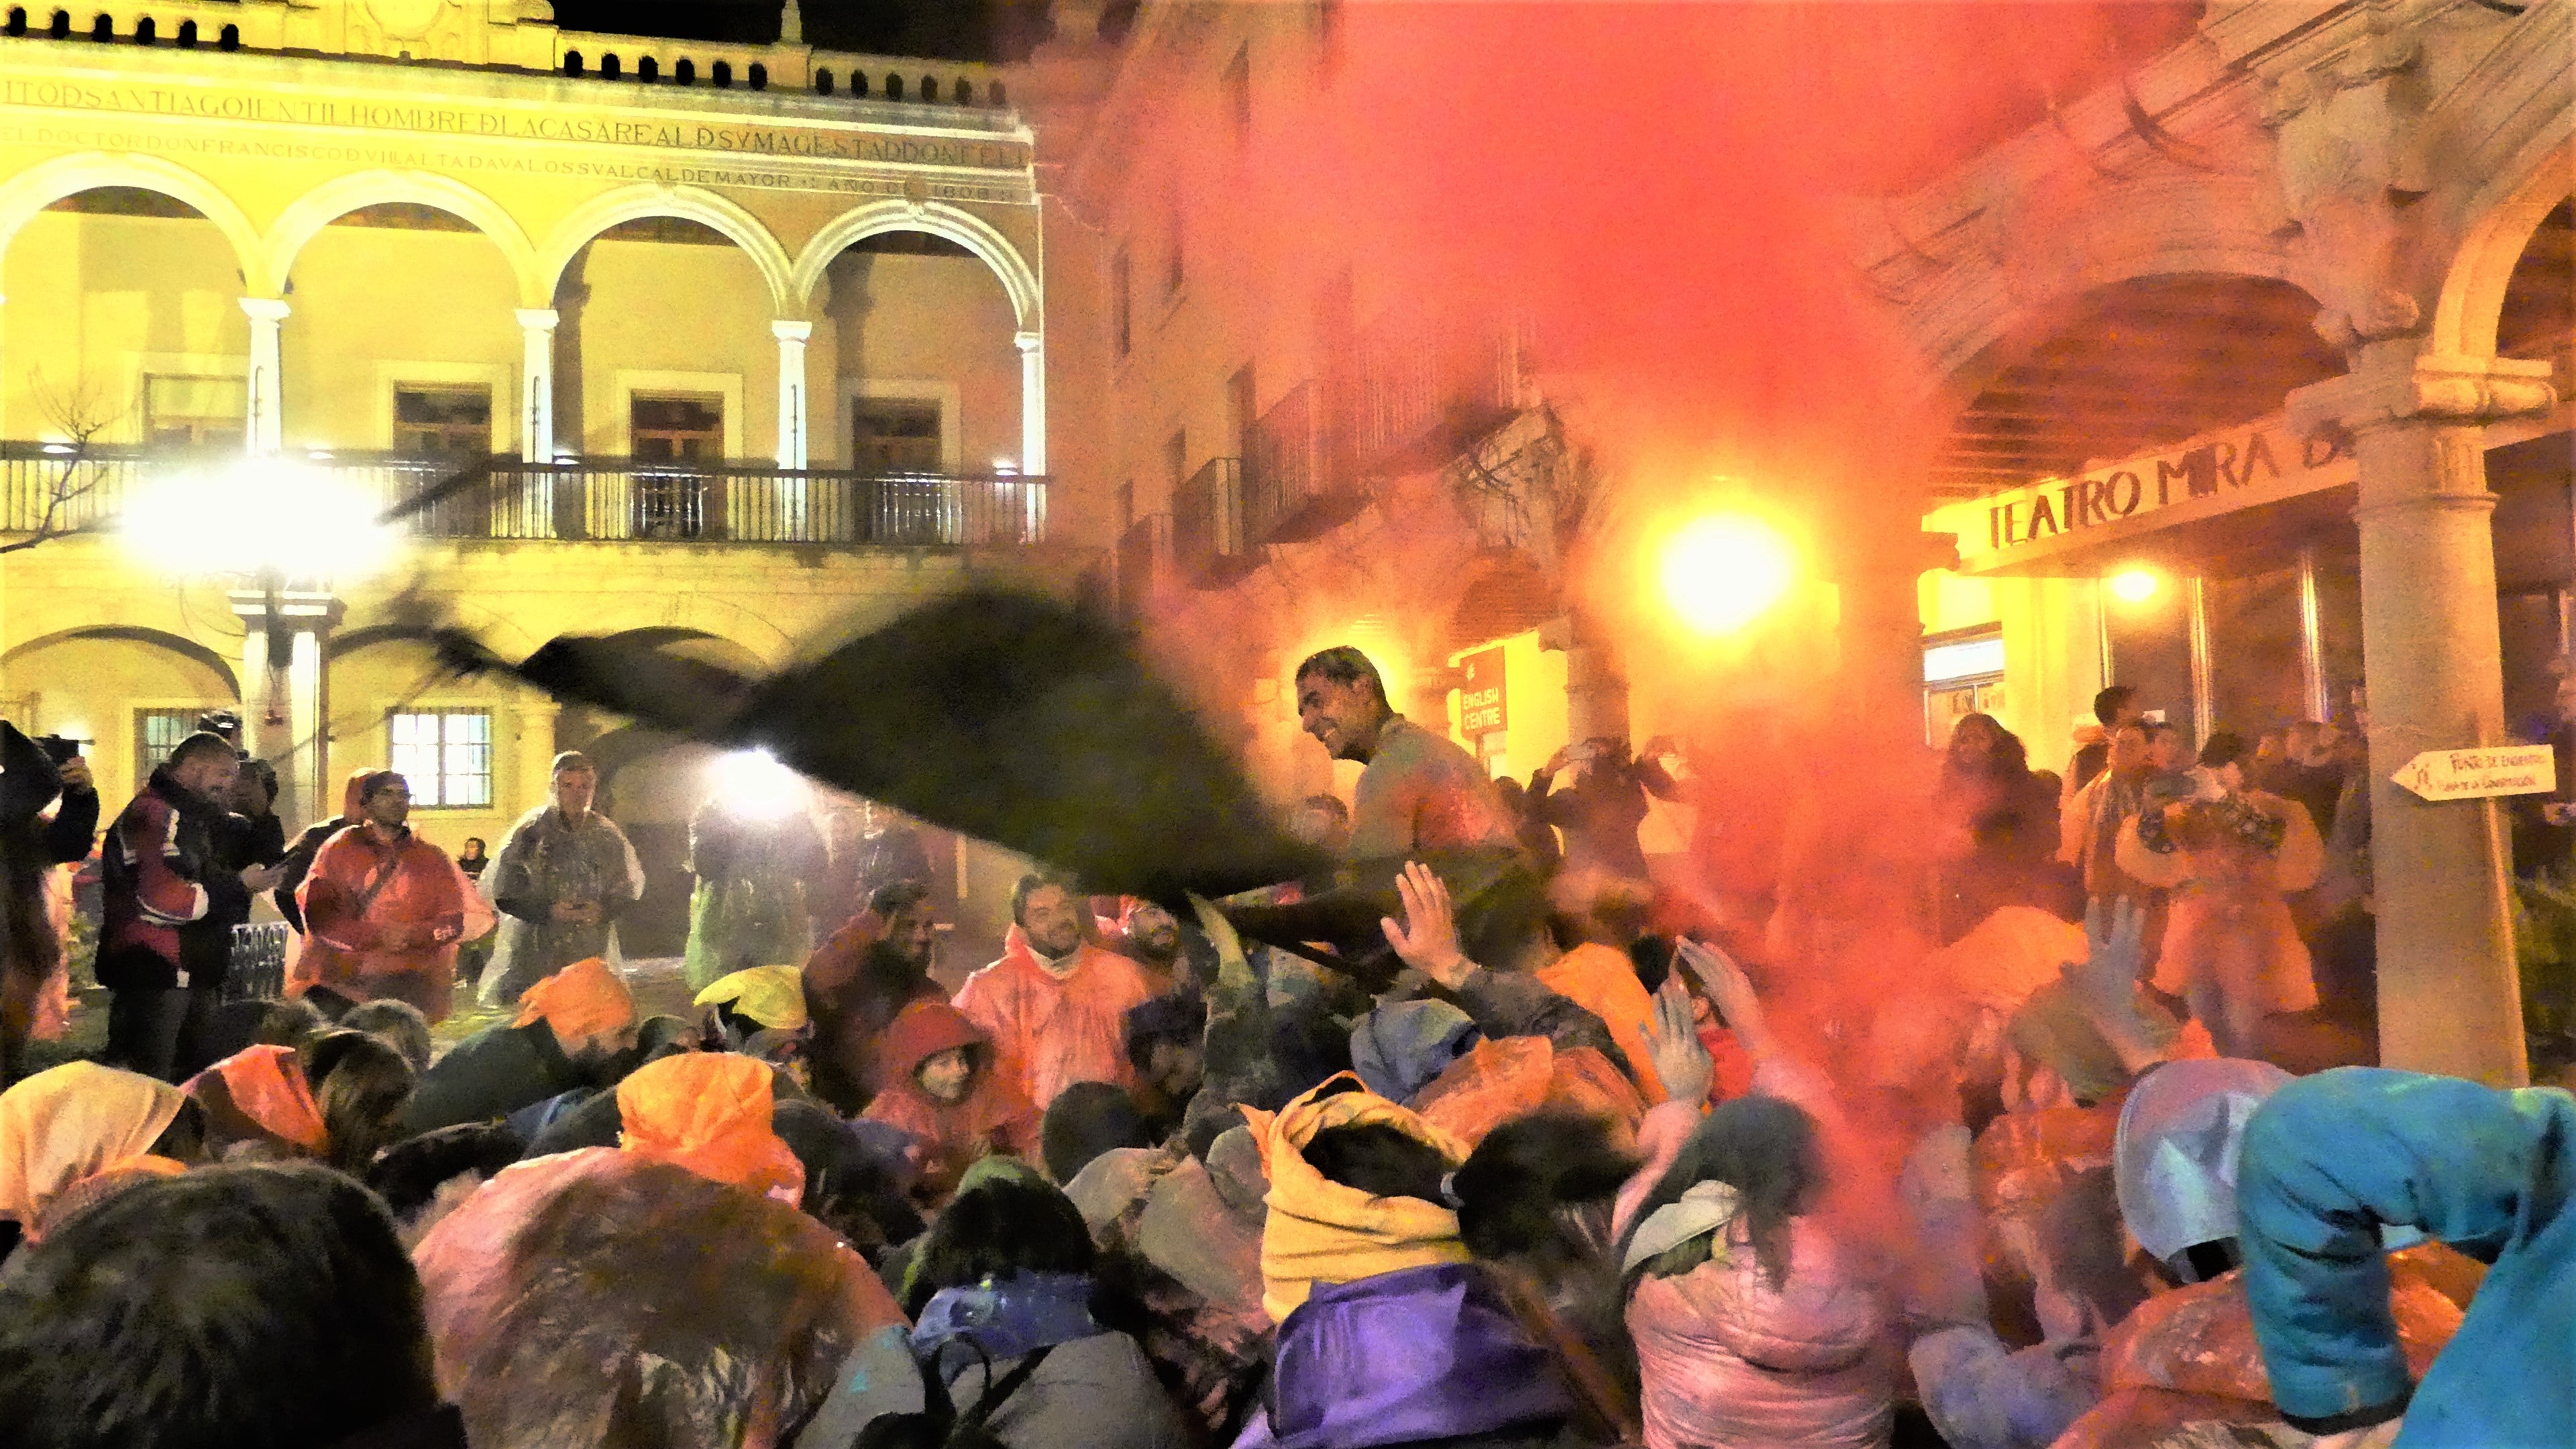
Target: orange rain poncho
1604,981
71,1123
1497,1081
260,1093
583,999
710,1113
1319,1231
374,913
1053,1031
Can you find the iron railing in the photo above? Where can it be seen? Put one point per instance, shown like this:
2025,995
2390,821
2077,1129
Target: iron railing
1208,542
609,500
1144,557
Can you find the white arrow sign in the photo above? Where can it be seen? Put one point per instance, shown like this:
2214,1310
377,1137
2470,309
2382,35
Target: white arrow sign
2481,773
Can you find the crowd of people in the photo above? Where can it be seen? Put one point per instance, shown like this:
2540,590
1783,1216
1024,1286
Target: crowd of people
1847,1132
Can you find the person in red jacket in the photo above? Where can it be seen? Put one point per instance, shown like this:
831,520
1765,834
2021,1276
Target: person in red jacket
858,979
1056,1004
940,1084
384,909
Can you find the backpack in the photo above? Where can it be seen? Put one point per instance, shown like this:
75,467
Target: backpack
939,1425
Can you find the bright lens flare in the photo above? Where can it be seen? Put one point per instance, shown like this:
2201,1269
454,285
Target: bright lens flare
752,785
257,515
1721,573
2133,586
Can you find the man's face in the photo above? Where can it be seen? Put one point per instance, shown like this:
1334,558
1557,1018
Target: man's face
574,790
912,935
2128,711
1343,718
389,804
945,1076
2232,776
211,774
1153,928
1053,920
2128,748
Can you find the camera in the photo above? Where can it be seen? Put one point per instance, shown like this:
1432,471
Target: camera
60,749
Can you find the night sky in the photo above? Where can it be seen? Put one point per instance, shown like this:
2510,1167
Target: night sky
1002,30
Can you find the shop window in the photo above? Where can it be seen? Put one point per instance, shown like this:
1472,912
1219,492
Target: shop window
443,422
445,756
156,733
1963,674
676,428
194,411
896,435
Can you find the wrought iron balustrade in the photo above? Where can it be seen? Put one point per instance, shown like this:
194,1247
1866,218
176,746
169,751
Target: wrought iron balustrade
1209,546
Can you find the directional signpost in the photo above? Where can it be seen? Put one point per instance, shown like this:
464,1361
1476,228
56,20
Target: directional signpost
2481,774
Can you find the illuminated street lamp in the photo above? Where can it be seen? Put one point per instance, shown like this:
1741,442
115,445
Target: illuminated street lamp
285,531
2133,586
1724,570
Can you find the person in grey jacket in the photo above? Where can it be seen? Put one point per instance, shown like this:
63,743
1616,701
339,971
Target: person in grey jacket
564,874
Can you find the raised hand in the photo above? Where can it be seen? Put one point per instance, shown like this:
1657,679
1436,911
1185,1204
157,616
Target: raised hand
1673,1043
1428,938
1732,993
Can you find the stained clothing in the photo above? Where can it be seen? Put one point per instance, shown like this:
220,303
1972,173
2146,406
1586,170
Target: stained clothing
1053,1030
855,986
546,860
600,1298
2329,1159
1604,981
1421,792
2229,935
1319,1231
995,1117
709,1112
749,905
374,913
1420,1355
170,908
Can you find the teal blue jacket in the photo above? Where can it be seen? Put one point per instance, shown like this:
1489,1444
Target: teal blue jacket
2328,1160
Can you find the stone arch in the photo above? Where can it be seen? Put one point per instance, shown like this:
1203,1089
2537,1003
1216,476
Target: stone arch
1019,279
30,191
2472,296
691,203
304,218
186,648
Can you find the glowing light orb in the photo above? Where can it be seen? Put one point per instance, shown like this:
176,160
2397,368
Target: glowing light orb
752,785
2134,586
256,515
1722,572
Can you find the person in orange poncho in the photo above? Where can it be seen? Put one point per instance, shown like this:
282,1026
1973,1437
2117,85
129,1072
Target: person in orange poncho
710,1113
384,909
60,1128
859,979
940,1084
1055,1004
572,1030
338,1098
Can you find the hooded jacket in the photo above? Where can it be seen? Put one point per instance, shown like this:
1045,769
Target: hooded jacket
854,987
170,906
995,1117
1053,1031
375,912
260,1094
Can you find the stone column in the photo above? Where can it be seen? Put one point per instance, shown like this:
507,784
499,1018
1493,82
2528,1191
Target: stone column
265,424
1033,449
286,694
537,384
791,390
533,731
2449,998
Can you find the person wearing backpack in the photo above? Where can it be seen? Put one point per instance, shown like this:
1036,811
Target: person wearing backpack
1006,1351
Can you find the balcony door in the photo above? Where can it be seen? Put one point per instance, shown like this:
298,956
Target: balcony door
668,433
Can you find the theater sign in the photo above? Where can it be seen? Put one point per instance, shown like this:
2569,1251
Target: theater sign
2043,527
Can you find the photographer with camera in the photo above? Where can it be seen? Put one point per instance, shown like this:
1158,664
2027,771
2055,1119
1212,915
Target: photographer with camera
33,774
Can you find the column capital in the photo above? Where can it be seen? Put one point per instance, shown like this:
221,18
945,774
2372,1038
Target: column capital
538,319
265,309
2394,383
1028,341
786,331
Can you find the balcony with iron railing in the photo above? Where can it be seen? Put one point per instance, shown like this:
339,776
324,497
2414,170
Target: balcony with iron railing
55,488
1209,546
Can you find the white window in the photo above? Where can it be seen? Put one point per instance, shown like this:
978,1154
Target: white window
445,755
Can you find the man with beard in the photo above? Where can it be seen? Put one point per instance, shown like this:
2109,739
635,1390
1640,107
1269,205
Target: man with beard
563,875
1056,1004
171,907
1419,792
859,980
